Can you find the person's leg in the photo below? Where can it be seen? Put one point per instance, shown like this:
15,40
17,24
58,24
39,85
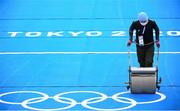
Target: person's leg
141,56
149,55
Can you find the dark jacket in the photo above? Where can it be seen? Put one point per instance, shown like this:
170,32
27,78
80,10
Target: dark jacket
148,33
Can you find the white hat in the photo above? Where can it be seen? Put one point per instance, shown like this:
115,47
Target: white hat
143,18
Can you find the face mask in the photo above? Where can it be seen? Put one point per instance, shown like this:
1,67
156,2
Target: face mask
144,23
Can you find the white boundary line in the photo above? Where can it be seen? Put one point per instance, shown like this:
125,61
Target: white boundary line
73,53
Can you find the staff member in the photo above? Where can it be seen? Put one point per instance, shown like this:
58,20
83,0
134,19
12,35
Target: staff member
144,28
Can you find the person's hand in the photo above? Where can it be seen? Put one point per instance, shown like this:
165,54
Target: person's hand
158,43
129,43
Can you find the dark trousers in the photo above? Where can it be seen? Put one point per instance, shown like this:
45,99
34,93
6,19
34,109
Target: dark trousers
145,56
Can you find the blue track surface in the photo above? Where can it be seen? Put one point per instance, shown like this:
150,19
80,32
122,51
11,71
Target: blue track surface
26,26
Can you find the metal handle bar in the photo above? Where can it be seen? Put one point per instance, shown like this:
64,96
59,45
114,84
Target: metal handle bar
129,57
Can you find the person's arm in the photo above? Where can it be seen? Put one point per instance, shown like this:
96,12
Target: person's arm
131,29
156,28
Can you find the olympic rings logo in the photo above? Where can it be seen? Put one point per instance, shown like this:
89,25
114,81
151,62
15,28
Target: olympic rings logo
60,98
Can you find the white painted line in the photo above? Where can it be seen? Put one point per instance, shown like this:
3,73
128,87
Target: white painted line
73,53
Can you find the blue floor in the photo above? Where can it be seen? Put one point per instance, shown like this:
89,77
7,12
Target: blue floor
58,55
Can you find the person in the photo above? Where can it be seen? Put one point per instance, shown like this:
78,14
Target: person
144,28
